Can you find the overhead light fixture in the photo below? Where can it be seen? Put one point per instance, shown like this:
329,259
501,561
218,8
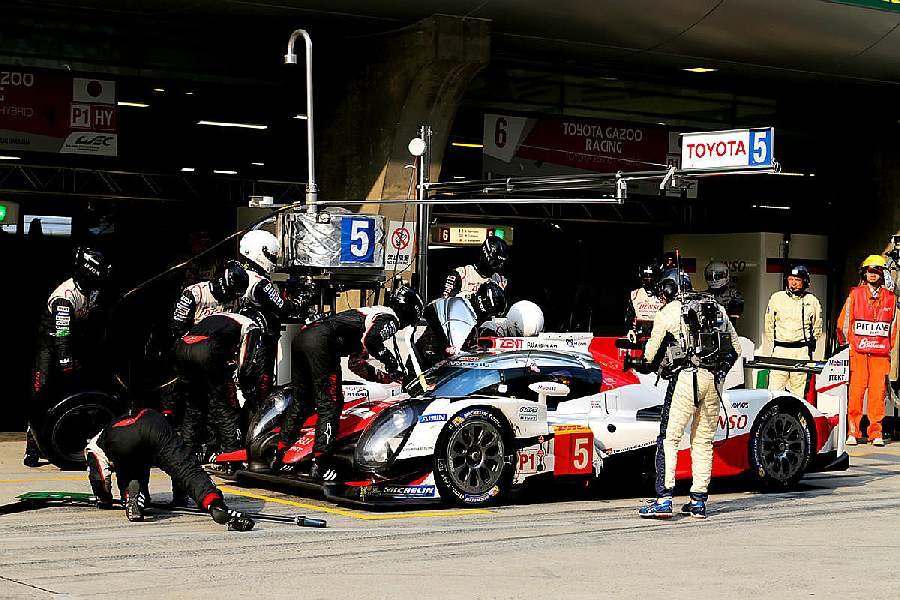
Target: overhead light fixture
228,124
10,157
188,169
189,93
301,117
772,206
224,172
466,145
700,70
440,247
790,174
660,123
133,104
458,177
159,90
258,164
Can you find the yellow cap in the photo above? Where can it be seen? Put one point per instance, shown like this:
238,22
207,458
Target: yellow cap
874,260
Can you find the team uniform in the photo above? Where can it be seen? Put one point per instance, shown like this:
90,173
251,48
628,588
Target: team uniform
793,322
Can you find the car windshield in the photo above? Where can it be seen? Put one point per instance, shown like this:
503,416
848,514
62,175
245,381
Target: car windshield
454,381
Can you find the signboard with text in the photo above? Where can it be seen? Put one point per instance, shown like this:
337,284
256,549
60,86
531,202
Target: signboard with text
523,146
52,111
736,148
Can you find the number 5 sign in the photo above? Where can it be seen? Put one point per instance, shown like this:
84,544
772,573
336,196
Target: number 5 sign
358,240
573,450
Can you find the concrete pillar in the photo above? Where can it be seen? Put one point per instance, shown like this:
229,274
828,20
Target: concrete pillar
404,79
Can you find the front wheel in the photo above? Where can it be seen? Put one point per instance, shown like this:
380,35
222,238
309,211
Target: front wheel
471,467
780,447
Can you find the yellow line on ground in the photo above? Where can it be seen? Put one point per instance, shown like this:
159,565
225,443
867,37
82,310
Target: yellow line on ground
81,478
358,515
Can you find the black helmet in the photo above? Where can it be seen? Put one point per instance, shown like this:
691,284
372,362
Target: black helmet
669,261
91,268
799,271
716,274
489,301
667,289
407,305
674,275
494,253
231,282
649,275
255,315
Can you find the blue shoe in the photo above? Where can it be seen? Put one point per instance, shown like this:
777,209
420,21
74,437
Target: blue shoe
695,508
661,508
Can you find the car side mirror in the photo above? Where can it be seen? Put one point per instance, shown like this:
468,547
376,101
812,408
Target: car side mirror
546,389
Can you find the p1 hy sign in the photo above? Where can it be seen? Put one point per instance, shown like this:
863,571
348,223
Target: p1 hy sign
737,148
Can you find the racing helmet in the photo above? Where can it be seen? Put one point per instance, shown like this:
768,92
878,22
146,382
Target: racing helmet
407,305
649,275
803,273
489,301
92,269
261,248
716,274
667,289
230,283
525,319
494,253
674,275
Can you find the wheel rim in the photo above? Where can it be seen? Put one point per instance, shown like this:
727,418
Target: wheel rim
783,446
74,428
475,456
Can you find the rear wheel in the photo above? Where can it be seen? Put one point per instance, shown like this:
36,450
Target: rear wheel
471,466
780,446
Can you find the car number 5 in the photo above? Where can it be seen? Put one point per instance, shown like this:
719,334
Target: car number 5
581,454
359,232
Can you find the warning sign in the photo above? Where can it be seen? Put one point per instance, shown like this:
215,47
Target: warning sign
400,243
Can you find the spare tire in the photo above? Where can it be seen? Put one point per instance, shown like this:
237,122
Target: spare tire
65,429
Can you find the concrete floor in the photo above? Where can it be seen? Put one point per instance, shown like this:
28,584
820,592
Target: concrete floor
837,536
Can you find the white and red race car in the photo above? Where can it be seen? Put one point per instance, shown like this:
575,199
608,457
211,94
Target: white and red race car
479,425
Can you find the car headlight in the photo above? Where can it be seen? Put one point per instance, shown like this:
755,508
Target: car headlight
270,411
384,439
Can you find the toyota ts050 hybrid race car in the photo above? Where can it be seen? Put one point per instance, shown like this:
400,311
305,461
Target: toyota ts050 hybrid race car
475,427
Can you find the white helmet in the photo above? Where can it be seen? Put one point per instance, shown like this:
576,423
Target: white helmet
525,319
261,248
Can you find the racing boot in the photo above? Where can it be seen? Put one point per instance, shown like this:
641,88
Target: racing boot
695,508
134,501
319,471
236,521
661,508
32,456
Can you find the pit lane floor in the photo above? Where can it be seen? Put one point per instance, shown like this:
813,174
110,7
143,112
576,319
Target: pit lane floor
837,536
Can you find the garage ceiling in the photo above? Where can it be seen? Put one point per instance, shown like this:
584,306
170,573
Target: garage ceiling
798,36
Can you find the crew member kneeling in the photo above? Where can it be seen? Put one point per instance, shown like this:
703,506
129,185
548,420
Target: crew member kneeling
699,341
130,447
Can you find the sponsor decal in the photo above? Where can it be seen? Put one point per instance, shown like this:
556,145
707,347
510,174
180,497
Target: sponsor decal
475,498
531,461
409,491
528,413
432,418
596,403
733,422
742,405
866,344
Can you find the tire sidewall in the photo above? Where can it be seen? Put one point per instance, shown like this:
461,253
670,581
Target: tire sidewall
441,468
755,450
56,418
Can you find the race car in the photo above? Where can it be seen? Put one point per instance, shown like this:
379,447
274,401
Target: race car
474,428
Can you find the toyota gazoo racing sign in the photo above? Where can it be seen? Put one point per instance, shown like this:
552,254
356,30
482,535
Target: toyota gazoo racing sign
733,149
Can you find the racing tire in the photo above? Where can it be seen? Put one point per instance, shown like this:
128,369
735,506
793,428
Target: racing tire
64,432
261,454
471,466
780,446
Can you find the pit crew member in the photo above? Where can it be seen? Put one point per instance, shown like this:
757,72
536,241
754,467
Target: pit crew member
867,323
69,334
130,447
643,303
682,330
316,367
492,257
793,323
719,286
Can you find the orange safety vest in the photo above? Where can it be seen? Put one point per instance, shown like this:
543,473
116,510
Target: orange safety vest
870,325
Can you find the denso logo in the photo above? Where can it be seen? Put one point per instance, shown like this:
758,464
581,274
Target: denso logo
95,140
509,343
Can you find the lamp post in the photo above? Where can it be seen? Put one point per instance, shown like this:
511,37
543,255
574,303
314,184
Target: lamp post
312,190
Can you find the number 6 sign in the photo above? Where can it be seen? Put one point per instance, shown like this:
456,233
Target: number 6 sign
573,450
358,240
